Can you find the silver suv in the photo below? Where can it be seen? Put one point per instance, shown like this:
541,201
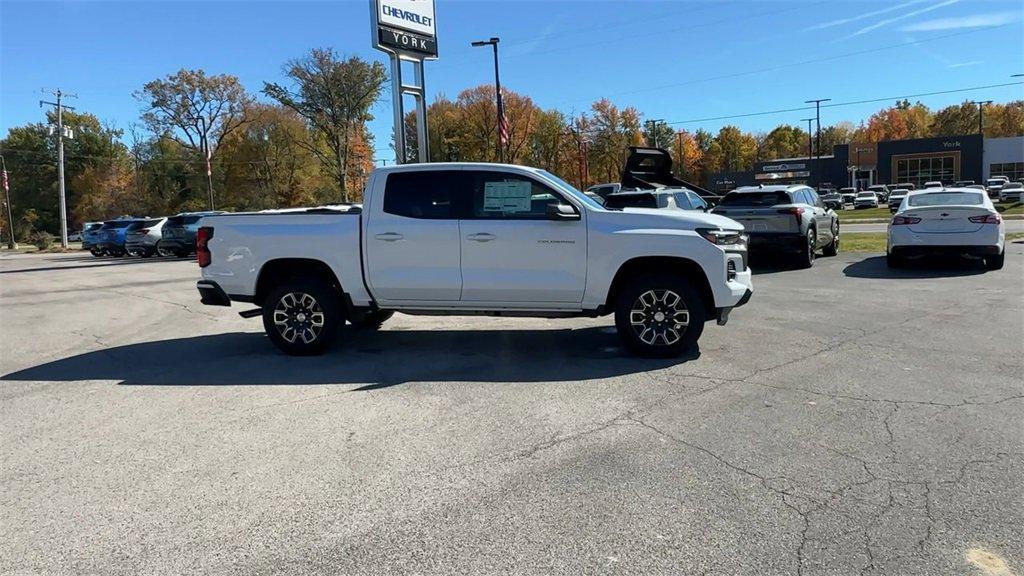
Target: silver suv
142,238
783,218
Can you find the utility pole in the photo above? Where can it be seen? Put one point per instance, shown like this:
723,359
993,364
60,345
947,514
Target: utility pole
981,115
817,139
11,242
654,130
60,160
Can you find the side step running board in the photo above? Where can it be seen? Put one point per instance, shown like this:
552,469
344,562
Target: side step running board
251,313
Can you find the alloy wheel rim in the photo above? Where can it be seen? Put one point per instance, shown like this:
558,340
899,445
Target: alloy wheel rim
298,316
659,317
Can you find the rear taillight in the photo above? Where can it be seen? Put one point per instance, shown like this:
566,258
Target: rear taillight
795,212
904,220
203,236
986,219
143,231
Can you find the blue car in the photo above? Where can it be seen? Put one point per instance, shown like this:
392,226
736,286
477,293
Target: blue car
112,236
91,238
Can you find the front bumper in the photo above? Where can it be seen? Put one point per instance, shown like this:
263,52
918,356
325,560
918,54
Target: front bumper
211,294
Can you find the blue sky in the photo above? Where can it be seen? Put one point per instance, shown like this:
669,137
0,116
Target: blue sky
674,60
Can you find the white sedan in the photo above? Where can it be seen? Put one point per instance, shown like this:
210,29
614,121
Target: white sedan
959,221
866,200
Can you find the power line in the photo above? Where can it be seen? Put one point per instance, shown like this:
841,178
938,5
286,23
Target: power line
800,63
840,104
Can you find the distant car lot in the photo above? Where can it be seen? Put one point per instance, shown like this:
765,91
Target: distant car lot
880,428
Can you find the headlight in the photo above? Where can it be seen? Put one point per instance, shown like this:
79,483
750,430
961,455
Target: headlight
723,237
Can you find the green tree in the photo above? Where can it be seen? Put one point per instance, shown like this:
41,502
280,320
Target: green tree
334,96
199,111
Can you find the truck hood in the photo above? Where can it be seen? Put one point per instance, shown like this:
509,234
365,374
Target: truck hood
687,219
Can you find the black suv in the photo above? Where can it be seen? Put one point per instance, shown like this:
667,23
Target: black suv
178,235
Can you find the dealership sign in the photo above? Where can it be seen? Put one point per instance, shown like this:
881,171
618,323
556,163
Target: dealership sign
405,27
783,167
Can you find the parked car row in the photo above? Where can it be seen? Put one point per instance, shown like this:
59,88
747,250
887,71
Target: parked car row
144,237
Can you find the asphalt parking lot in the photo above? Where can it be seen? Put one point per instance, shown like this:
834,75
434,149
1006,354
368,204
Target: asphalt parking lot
849,420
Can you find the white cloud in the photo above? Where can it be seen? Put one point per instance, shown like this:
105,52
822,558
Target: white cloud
965,64
842,21
976,21
888,21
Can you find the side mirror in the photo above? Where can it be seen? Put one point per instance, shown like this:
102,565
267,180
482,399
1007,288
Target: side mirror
561,212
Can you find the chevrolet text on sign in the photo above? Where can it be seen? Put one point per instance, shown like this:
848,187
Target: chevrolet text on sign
411,15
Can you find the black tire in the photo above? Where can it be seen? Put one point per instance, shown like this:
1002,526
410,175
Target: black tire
806,257
297,302
160,251
146,253
650,295
995,262
892,260
833,247
182,253
373,320
96,252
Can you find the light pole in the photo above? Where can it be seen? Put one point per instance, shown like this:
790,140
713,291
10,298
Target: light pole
493,42
817,138
981,115
810,134
855,179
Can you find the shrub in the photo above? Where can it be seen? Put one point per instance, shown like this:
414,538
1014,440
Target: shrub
41,240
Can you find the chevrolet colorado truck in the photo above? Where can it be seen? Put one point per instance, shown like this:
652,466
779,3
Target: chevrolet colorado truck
476,239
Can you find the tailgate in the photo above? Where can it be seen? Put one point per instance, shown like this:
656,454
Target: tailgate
777,220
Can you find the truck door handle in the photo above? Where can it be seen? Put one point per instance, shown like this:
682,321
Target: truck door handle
481,237
389,237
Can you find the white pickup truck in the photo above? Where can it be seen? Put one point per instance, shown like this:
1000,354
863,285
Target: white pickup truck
463,238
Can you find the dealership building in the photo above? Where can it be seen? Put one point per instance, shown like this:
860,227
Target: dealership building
947,159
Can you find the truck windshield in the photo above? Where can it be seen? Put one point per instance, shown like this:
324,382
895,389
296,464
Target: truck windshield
572,191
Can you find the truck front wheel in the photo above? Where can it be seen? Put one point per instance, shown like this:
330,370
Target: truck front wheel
659,316
302,316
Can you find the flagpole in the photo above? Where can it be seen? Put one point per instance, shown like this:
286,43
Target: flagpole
11,243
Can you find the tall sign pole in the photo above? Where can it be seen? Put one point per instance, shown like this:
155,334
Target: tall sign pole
60,162
407,32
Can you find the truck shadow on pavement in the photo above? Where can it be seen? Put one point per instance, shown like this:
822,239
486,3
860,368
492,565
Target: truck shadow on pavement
875,267
370,360
76,263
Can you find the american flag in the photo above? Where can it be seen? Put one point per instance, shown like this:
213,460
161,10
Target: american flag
502,124
6,186
209,170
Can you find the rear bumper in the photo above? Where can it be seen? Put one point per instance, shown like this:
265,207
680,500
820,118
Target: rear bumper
777,241
969,250
211,294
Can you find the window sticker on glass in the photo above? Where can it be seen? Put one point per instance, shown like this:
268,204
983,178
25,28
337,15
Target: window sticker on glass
507,197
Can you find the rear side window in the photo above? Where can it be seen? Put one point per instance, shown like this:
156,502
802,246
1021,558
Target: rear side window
947,199
683,201
754,199
430,194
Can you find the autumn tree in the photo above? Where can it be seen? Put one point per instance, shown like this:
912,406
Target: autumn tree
199,111
334,96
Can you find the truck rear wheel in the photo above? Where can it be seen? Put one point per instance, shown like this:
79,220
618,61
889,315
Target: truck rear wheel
302,316
659,316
